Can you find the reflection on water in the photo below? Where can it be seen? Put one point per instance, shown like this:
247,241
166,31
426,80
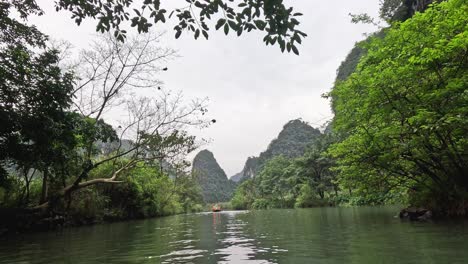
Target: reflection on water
320,235
236,246
232,244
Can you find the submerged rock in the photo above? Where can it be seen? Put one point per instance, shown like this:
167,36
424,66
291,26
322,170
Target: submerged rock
416,214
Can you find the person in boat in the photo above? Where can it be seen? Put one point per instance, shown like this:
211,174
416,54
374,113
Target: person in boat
216,208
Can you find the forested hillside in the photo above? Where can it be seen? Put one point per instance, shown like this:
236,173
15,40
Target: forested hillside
283,182
289,171
291,142
212,179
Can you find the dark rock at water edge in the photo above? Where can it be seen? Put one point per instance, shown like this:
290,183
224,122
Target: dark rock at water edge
22,220
416,214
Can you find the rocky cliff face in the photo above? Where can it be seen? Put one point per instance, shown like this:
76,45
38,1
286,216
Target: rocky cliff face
250,167
248,171
413,6
291,142
236,177
212,179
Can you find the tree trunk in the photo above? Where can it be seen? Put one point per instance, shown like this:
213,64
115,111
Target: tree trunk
27,189
44,186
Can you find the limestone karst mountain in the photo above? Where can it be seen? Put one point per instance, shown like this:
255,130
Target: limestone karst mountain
215,185
291,142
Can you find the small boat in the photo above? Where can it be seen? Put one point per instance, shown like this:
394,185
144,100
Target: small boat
216,208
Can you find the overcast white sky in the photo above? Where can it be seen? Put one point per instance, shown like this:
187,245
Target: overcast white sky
253,89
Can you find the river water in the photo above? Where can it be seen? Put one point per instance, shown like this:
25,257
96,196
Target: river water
319,235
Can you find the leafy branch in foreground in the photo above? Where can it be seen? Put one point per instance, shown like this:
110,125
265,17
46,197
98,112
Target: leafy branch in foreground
278,22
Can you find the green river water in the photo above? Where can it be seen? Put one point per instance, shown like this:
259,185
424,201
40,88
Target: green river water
319,235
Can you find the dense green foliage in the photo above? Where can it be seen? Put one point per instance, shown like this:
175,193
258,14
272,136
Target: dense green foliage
244,195
211,178
52,137
404,112
399,134
304,180
33,93
59,156
144,191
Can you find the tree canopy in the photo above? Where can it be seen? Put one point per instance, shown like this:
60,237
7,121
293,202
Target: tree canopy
404,109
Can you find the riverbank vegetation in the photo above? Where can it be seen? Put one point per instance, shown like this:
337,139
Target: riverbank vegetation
400,125
310,180
143,191
409,124
61,159
92,135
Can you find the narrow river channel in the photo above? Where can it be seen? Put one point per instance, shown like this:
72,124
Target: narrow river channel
319,235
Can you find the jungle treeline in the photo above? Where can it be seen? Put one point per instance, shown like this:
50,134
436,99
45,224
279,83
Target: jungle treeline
400,126
91,135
